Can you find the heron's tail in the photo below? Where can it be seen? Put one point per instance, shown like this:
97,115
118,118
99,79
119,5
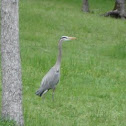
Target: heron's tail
39,92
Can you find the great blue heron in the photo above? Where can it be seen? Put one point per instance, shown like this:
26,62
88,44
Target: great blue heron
51,79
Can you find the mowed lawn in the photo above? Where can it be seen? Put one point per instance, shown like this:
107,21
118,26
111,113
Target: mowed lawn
92,88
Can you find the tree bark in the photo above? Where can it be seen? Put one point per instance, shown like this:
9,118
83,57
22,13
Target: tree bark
85,7
11,63
119,10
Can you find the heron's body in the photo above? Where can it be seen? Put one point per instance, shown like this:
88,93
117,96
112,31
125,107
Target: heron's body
51,79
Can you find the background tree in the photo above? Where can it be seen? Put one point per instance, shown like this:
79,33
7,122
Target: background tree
85,7
119,10
11,64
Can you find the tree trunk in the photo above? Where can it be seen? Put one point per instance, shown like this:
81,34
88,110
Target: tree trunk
119,10
85,7
11,64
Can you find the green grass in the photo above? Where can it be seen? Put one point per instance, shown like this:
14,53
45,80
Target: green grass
7,123
92,88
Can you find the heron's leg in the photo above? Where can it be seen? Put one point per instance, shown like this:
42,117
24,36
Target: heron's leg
53,94
43,95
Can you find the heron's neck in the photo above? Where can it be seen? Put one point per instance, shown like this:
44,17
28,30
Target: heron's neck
58,62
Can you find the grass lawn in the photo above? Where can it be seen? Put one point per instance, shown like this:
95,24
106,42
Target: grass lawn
92,88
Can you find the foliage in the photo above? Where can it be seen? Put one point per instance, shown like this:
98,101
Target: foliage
92,88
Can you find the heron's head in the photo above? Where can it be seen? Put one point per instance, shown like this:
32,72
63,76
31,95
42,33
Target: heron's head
67,38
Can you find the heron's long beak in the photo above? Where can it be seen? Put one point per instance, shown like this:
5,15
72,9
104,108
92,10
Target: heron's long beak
72,38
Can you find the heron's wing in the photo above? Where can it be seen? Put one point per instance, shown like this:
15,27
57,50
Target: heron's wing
50,79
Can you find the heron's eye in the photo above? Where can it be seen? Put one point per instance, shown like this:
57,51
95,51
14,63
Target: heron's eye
57,70
63,37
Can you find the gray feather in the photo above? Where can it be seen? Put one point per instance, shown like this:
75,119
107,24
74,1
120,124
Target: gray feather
49,81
